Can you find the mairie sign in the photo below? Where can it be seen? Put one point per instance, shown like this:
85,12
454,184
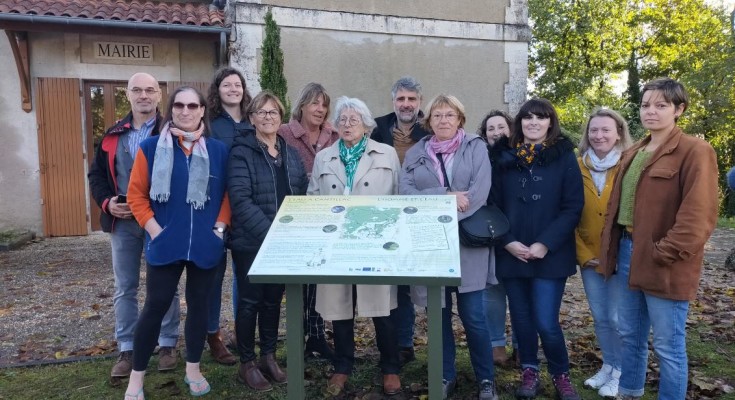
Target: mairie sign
123,51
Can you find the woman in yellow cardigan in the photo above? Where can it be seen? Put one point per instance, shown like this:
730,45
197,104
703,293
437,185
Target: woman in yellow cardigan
603,140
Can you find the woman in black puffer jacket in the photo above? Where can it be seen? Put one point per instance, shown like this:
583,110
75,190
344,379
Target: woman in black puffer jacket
262,171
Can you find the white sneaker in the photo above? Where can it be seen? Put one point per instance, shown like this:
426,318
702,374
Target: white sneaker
610,388
600,378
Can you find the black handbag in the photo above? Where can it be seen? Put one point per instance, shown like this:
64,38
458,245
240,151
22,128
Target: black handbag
485,227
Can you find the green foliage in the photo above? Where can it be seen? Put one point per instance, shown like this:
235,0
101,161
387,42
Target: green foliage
597,53
271,69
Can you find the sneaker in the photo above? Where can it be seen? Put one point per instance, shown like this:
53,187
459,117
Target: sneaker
626,397
564,387
610,389
487,390
600,378
124,364
448,388
167,358
530,384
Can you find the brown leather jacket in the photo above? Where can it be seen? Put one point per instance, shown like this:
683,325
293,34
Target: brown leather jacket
674,213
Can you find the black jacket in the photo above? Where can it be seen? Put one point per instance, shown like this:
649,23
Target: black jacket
101,176
251,185
383,133
543,204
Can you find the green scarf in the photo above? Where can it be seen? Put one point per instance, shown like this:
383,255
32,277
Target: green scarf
350,157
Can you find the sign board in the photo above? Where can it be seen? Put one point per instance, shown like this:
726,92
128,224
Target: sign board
362,239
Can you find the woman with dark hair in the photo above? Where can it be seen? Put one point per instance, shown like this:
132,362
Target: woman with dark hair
177,194
309,132
263,170
495,125
662,210
228,99
538,185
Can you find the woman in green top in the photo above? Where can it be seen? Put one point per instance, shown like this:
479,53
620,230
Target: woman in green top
662,210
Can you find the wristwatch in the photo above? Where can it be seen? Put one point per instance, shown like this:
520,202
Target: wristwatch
220,229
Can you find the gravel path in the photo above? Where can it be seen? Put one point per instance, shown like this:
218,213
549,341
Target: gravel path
56,297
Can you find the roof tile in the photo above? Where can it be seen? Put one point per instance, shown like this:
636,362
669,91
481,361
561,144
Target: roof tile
162,12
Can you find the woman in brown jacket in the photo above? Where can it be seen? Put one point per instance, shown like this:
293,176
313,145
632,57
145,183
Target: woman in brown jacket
662,210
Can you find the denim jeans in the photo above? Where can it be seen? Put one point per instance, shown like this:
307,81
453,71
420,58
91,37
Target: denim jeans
638,312
494,301
472,314
162,283
404,317
127,247
215,295
534,309
603,301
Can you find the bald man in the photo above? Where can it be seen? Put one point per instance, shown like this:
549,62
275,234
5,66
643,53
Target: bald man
108,183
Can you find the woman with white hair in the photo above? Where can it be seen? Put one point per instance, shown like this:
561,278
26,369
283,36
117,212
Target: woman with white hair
357,165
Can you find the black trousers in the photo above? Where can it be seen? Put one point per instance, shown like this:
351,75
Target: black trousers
161,284
258,305
344,343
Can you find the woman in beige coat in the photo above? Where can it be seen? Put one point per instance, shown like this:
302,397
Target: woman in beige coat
357,165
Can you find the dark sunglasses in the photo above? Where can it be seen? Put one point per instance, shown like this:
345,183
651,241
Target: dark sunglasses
191,106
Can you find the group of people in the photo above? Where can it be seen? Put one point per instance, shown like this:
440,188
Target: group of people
213,172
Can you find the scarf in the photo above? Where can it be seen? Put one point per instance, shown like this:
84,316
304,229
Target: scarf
163,164
598,167
350,157
527,152
447,148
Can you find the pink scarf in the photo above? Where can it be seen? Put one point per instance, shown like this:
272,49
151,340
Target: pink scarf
447,148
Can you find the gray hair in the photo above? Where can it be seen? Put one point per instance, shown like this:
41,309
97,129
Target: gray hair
406,83
359,106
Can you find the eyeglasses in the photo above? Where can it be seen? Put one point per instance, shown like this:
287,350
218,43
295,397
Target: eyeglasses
138,91
348,121
448,116
191,106
262,113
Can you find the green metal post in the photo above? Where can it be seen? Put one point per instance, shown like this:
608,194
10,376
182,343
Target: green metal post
434,315
295,341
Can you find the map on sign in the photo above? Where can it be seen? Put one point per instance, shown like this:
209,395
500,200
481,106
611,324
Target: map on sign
408,236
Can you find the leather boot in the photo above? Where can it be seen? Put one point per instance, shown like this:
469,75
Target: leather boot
500,355
250,375
269,367
219,350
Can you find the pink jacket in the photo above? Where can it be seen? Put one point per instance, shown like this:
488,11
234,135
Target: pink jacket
295,135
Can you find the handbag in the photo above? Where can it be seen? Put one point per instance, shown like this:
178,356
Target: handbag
483,228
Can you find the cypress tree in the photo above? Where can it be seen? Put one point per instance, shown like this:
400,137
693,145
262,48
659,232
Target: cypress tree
271,69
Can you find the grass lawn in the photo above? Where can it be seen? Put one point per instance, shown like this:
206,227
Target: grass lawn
710,360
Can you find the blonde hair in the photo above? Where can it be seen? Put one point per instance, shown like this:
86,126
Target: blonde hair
620,124
441,101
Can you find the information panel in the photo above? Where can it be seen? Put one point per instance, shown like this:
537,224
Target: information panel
362,239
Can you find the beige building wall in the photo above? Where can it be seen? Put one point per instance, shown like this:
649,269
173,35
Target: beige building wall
361,52
63,55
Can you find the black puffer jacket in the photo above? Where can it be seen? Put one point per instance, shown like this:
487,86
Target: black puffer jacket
251,185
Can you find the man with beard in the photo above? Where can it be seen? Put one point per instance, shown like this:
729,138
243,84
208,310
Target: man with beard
108,182
401,129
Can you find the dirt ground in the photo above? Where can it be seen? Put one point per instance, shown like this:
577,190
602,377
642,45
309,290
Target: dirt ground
56,299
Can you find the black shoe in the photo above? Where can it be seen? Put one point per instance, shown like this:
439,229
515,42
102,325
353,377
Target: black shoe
406,355
318,348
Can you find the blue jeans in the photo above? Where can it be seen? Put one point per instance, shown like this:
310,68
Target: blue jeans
494,301
639,312
534,310
472,314
603,301
127,248
404,317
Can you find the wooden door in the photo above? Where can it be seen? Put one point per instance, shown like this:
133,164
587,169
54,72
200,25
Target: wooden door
61,157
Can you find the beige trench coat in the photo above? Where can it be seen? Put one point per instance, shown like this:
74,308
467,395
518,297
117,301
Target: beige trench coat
376,174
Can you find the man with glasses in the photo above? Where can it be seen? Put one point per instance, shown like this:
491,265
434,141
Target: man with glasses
108,183
401,129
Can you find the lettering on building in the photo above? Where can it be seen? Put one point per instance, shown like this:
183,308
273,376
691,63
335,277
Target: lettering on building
123,51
